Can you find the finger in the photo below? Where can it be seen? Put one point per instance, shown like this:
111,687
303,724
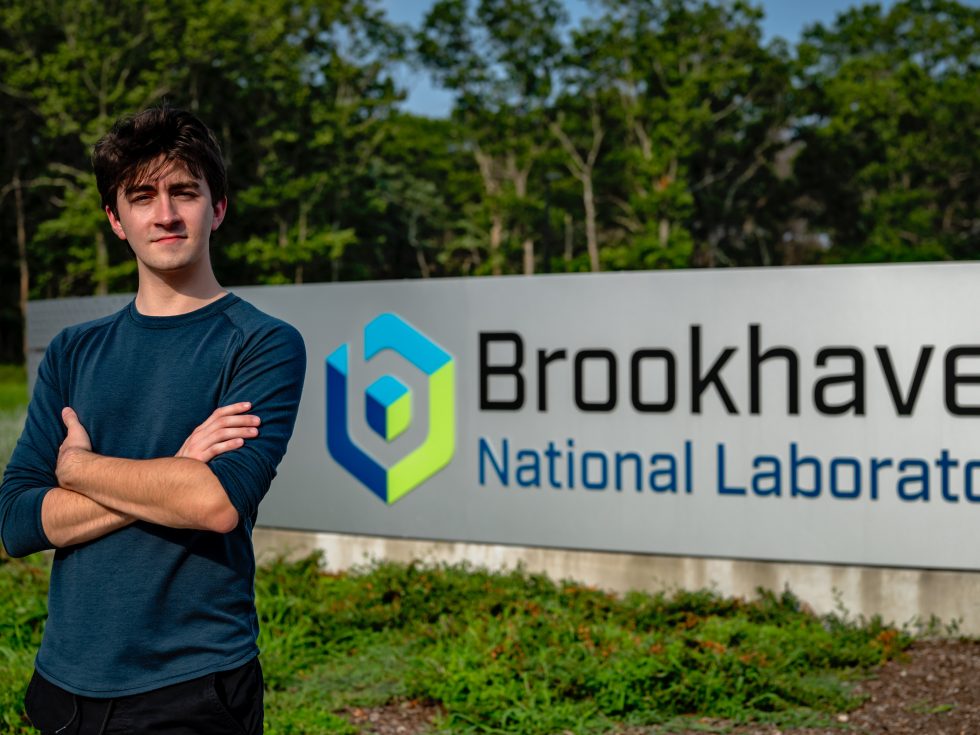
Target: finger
198,446
69,416
230,409
225,412
235,432
221,447
239,420
75,431
75,434
205,432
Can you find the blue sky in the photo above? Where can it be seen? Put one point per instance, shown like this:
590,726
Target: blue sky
784,18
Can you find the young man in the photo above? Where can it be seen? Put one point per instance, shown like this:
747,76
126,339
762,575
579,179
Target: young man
151,437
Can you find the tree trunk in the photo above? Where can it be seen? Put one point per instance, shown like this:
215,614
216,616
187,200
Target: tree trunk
423,264
664,233
491,186
496,238
301,227
21,259
528,257
569,232
581,169
518,177
413,240
591,238
668,179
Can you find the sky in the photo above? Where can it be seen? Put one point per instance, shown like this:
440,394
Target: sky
783,18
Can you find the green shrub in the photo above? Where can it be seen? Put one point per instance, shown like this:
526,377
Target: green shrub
516,652
510,652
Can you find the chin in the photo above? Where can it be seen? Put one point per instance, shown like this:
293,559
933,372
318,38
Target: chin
176,264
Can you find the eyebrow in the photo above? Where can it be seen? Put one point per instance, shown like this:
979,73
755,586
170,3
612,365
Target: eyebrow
179,184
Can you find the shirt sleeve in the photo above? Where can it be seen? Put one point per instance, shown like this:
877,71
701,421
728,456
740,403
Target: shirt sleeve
30,473
269,373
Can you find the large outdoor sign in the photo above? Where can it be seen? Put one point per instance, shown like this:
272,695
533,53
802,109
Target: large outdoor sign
798,414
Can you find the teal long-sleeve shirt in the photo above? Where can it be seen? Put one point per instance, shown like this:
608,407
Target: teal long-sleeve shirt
147,605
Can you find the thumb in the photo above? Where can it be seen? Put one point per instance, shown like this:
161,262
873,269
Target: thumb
76,435
69,416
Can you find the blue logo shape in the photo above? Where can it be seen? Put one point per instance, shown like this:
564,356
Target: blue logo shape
388,409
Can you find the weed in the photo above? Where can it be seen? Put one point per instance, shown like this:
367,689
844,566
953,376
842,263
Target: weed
511,652
933,627
515,652
23,592
922,707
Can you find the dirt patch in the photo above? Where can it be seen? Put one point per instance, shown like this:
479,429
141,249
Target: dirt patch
932,691
401,718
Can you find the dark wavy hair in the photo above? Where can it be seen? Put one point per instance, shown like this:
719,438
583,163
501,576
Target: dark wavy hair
140,145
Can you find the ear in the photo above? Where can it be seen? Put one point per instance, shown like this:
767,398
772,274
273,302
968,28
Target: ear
115,224
220,208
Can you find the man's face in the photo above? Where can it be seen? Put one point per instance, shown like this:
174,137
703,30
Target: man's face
168,219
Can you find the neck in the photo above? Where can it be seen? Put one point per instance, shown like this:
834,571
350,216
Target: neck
172,294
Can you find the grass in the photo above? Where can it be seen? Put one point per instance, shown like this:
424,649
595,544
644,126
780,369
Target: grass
13,390
13,408
23,608
511,652
517,653
500,652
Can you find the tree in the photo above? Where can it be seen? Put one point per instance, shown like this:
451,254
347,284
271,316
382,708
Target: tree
891,131
582,166
301,128
701,102
499,59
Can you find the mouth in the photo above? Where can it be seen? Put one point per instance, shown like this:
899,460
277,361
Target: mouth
169,239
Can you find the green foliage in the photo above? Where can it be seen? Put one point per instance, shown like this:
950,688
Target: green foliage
274,258
652,134
23,584
894,106
23,609
569,656
13,392
515,652
510,652
13,408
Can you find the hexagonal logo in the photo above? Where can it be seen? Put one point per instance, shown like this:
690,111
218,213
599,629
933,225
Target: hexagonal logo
388,409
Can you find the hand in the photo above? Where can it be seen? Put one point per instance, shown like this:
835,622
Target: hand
75,445
224,430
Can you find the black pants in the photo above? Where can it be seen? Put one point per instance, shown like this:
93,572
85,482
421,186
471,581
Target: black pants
225,703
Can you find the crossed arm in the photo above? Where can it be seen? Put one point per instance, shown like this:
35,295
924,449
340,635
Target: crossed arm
98,495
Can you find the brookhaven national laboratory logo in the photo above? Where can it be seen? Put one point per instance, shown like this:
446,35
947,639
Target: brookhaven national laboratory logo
388,409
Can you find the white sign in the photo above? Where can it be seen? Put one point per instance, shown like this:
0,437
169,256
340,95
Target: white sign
801,414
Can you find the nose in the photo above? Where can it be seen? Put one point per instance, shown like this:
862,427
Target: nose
166,213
